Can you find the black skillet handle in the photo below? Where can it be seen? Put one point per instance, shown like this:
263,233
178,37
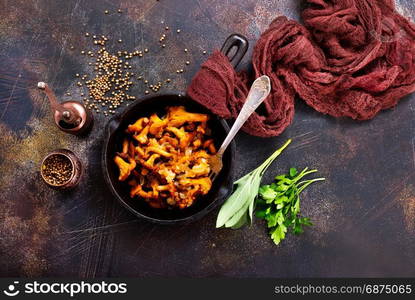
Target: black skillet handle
113,124
241,44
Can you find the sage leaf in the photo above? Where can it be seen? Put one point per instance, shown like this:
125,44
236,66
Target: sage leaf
238,209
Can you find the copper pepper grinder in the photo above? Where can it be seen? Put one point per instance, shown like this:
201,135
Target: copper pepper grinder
70,116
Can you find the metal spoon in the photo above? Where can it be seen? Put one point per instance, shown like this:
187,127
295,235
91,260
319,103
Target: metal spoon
260,89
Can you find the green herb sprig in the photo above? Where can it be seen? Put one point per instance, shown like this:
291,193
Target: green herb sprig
279,203
239,207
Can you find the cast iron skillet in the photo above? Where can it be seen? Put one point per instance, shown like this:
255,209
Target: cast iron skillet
114,133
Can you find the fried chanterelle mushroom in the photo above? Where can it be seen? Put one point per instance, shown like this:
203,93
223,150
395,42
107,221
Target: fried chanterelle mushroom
166,158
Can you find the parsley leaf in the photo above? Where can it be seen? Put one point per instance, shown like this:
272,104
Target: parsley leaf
279,204
293,172
267,193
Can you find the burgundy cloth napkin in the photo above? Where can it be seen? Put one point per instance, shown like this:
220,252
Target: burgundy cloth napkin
351,58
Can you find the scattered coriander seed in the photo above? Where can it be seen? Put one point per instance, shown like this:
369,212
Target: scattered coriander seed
77,75
168,80
112,80
167,28
164,45
87,34
68,94
178,30
94,36
72,47
120,41
119,11
185,50
181,70
106,12
187,62
177,71
204,52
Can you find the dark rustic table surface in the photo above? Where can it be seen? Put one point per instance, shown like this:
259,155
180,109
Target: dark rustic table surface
363,215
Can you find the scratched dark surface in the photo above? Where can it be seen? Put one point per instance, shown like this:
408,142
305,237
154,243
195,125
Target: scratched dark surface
364,214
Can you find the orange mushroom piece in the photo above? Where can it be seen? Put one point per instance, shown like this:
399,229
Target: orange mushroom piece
184,137
204,183
157,125
209,144
138,125
125,167
138,191
142,137
178,116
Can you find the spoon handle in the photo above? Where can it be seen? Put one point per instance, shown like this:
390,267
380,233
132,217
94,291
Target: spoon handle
260,89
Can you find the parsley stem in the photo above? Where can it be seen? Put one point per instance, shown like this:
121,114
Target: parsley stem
306,183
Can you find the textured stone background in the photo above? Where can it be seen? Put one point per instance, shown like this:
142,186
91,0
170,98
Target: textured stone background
364,214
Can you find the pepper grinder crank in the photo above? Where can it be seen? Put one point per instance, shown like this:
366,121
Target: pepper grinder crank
70,116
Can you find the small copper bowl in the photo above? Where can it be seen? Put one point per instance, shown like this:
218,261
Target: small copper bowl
76,169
